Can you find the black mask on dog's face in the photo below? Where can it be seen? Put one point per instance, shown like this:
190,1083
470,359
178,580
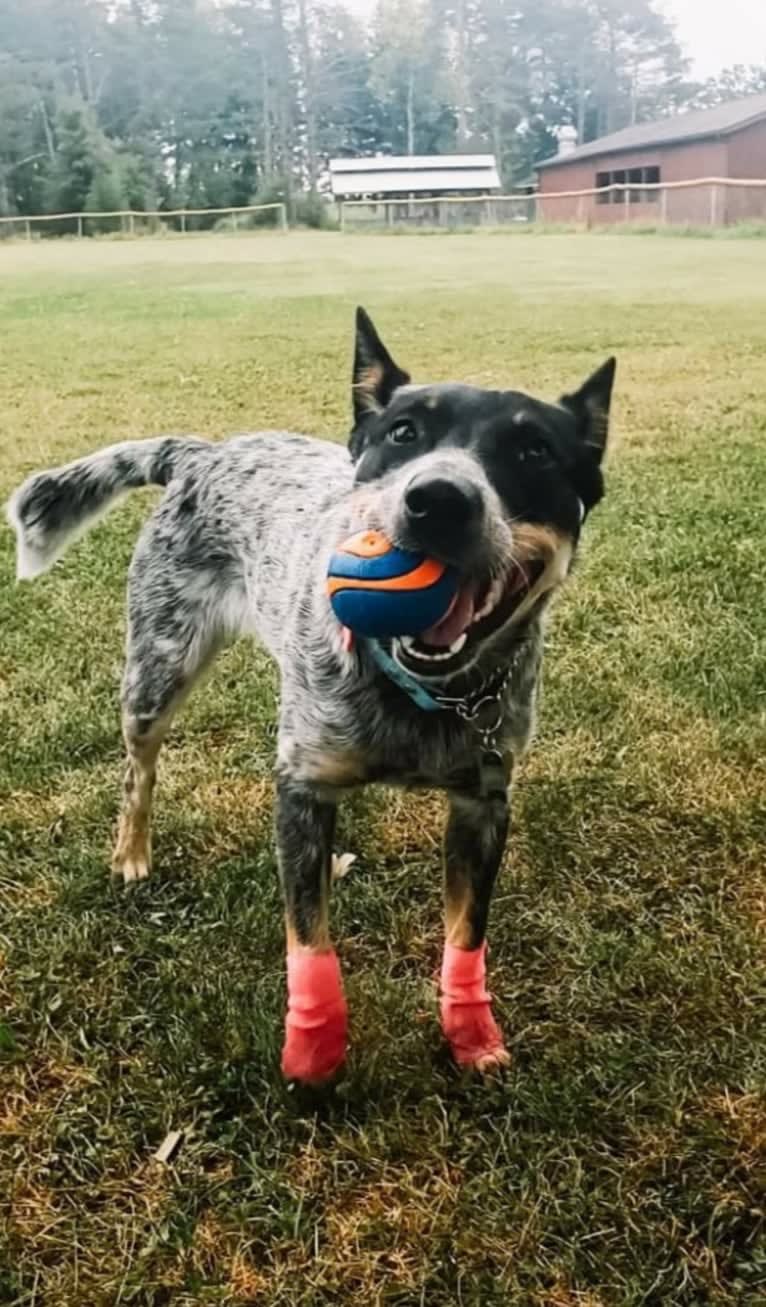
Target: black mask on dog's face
494,483
543,460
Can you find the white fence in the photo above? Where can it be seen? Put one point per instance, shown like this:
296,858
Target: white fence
700,201
703,201
134,222
451,211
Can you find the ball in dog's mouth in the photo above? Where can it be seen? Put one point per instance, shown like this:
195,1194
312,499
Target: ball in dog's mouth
477,612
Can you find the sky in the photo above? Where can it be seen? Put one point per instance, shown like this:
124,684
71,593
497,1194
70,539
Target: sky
714,33
717,33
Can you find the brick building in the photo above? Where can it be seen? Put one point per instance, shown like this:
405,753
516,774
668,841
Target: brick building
728,141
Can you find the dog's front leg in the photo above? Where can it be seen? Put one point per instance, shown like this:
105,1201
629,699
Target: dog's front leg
477,829
316,1023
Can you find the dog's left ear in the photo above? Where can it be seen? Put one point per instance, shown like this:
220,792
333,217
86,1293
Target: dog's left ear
590,406
376,376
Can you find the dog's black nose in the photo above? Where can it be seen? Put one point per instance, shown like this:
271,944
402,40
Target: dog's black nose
441,510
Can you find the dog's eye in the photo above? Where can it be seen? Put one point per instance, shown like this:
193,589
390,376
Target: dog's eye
402,433
533,451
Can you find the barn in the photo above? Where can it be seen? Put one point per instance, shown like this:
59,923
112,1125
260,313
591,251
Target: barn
727,142
431,190
390,177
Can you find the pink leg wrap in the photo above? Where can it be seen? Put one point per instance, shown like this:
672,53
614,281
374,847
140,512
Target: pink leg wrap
466,1011
316,1022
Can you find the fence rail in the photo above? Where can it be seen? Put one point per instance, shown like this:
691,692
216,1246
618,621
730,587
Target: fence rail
700,201
131,219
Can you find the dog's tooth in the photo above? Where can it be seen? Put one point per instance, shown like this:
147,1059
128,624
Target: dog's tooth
408,643
492,600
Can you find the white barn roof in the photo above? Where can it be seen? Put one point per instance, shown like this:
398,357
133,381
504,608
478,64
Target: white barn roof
416,174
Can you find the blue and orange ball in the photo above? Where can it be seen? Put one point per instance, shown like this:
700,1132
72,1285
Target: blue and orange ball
378,590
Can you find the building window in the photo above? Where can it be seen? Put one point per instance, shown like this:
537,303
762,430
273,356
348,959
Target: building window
633,178
651,178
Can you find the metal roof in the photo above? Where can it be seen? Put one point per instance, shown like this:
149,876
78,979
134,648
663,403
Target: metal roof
414,174
694,126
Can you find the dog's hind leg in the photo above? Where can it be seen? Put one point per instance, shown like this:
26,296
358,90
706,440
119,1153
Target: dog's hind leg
132,857
171,641
151,700
144,735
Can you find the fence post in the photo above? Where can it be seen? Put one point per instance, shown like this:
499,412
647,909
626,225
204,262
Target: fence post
183,221
713,204
626,202
283,217
131,224
664,206
28,226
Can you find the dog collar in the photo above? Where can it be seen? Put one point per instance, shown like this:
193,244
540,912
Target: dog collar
411,686
482,709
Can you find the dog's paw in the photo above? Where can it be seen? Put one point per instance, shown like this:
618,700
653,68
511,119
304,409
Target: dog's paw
130,868
316,1024
474,1037
490,1062
315,1057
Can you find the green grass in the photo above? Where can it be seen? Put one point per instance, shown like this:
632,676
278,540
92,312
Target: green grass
623,1159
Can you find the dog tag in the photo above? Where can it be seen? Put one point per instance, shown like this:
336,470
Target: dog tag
494,781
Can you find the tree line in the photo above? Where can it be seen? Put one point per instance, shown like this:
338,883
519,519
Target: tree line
150,104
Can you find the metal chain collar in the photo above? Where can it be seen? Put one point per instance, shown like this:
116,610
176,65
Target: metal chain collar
483,709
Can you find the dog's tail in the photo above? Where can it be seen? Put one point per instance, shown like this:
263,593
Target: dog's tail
52,509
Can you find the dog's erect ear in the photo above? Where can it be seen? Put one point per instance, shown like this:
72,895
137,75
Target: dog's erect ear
376,376
590,406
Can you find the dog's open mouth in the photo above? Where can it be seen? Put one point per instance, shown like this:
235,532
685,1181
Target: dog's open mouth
477,611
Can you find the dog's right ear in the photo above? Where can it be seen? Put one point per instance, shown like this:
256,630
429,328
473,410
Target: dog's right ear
375,377
590,408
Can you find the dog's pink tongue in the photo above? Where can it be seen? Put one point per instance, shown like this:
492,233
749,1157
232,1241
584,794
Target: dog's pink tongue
457,620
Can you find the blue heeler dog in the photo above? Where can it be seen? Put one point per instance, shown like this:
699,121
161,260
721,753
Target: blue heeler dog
496,484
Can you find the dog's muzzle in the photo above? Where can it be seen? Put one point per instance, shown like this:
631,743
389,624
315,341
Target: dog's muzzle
444,516
484,608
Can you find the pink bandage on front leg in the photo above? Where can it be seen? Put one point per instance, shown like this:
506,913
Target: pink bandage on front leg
317,1017
466,1007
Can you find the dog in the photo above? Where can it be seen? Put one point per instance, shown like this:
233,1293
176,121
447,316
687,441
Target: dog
496,484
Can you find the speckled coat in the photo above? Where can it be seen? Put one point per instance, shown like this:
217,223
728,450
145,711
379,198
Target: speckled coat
239,546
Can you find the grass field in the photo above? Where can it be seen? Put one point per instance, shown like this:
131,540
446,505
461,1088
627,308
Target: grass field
623,1159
